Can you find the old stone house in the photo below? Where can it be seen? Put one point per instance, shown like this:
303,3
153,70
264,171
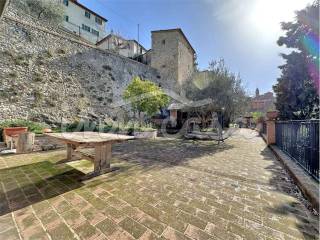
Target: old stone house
49,75
121,46
83,22
173,56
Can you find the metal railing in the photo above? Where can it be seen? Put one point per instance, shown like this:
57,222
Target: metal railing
78,31
300,140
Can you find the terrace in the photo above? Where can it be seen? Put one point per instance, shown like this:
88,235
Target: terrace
164,188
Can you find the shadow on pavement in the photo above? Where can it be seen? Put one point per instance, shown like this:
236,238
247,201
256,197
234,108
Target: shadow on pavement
23,185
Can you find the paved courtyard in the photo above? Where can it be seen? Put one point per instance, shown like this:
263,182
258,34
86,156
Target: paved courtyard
164,189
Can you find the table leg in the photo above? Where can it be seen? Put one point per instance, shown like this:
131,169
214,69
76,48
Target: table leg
102,161
70,150
102,157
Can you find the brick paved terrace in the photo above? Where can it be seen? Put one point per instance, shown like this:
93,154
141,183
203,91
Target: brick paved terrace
165,189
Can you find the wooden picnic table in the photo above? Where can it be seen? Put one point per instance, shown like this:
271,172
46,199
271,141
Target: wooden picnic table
101,142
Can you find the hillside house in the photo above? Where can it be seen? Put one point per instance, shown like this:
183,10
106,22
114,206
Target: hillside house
262,102
127,48
84,22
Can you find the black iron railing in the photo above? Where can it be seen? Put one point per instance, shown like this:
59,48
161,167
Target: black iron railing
300,140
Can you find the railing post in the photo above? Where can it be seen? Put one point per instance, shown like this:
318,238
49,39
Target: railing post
271,132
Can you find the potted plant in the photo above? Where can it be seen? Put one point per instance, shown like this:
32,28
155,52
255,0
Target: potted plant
272,115
47,130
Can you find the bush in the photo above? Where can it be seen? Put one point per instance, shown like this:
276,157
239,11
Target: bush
13,74
257,116
34,127
51,11
61,51
38,96
37,77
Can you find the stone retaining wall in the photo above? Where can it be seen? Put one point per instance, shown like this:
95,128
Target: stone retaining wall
48,76
44,143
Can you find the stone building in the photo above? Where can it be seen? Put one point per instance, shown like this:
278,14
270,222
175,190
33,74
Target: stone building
262,102
173,56
71,78
83,22
121,46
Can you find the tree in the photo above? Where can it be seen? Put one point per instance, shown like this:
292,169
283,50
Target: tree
145,97
297,89
48,10
257,116
224,89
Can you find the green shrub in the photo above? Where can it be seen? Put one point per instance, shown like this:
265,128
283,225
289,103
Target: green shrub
37,77
20,60
51,102
13,74
49,53
61,51
38,97
107,67
34,127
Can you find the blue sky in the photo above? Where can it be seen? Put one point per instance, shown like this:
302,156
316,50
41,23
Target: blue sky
243,32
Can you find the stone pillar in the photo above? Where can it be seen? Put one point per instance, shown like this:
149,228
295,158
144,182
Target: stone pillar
271,132
173,117
259,127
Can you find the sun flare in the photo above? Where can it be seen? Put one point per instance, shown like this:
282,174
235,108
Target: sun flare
266,15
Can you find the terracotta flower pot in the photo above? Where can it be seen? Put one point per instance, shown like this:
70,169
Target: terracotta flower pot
13,131
272,115
47,130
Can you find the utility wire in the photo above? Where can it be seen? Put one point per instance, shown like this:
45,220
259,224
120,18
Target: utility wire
124,18
129,20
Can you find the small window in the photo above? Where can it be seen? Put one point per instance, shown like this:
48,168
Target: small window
87,14
163,42
66,18
66,2
99,20
95,32
85,27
